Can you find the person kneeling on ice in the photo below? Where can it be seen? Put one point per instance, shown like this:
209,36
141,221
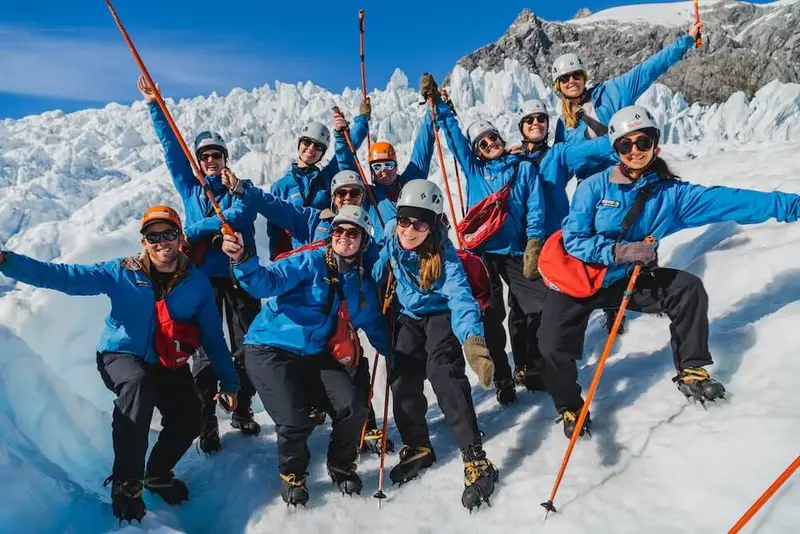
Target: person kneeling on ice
308,225
297,340
162,311
437,314
644,197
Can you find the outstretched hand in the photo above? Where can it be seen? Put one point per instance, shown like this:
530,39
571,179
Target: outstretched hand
146,90
695,29
233,246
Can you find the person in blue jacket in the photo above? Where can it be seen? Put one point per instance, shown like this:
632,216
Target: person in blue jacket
203,235
511,254
437,315
140,370
287,345
305,183
587,110
592,234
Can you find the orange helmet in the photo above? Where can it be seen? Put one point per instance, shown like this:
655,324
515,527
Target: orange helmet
161,214
382,151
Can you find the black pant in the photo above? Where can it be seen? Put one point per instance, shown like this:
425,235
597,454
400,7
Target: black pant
283,380
678,294
140,387
427,348
240,310
529,296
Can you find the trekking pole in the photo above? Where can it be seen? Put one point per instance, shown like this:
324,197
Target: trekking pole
380,495
455,163
548,506
444,171
753,510
369,402
699,41
226,228
363,67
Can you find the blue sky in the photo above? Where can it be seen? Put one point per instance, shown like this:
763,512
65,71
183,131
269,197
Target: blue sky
57,54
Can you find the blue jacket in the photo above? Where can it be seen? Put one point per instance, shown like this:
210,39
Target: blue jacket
295,320
200,220
309,186
304,223
600,204
451,292
526,203
130,326
557,164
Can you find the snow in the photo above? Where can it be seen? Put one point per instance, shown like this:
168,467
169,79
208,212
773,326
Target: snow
74,187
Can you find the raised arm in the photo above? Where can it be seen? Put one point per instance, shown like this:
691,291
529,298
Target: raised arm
585,154
456,140
420,164
178,166
93,279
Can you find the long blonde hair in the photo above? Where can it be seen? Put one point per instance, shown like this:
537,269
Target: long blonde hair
567,110
430,260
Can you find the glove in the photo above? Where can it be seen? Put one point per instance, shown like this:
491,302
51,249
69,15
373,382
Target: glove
365,108
638,251
428,87
478,359
530,259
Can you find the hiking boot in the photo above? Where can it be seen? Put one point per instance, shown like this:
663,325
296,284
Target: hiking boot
506,392
372,442
611,316
696,384
480,476
317,415
570,419
209,435
346,479
412,461
293,489
530,378
171,489
126,499
245,423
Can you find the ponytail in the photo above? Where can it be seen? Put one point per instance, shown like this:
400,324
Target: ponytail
570,116
430,260
660,167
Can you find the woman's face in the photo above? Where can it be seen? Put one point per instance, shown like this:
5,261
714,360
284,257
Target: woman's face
346,239
636,150
348,196
412,232
491,146
212,162
572,84
534,127
310,151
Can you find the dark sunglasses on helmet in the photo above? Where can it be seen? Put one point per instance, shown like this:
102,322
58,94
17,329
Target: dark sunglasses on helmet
350,233
491,138
208,156
419,226
539,117
352,192
625,145
306,141
378,166
564,78
165,235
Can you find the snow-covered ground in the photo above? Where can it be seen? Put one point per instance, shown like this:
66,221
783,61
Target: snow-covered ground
74,187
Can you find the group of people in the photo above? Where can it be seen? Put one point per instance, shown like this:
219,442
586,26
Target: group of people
346,255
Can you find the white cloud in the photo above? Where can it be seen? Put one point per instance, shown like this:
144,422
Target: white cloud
73,65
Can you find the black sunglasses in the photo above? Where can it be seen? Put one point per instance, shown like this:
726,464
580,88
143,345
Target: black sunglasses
624,146
351,233
564,78
491,138
208,156
308,142
352,193
539,117
156,237
419,226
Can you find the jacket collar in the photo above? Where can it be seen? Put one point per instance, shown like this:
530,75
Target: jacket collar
617,177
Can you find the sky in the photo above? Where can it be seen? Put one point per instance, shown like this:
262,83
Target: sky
70,55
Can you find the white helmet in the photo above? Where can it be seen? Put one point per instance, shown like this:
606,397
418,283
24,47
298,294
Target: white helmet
565,64
353,215
208,140
532,107
344,179
422,194
631,119
479,129
316,131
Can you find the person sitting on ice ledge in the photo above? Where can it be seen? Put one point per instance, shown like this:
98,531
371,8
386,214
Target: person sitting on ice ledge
162,311
593,234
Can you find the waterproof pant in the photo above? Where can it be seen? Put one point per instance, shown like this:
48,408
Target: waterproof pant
427,348
283,379
240,310
529,296
678,294
140,387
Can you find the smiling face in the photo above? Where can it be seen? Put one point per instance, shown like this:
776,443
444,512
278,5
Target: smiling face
348,196
412,232
384,172
346,239
212,161
490,146
636,150
161,242
572,84
309,152
534,127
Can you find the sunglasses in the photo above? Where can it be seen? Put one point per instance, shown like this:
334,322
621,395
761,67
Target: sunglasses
539,117
353,193
208,156
564,78
350,233
378,166
419,226
624,146
165,235
491,138
305,141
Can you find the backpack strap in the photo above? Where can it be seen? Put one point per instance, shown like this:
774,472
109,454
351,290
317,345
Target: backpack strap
638,205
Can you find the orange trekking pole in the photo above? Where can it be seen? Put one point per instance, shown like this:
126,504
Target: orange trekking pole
595,381
363,67
699,41
226,228
753,510
444,171
380,495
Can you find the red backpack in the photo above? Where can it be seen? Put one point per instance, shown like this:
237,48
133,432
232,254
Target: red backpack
478,278
486,218
175,341
343,345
